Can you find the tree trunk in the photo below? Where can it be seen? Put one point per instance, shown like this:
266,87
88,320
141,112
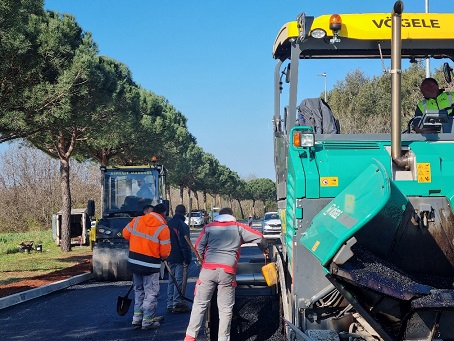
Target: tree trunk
189,196
241,208
204,193
66,205
181,193
253,208
168,197
196,196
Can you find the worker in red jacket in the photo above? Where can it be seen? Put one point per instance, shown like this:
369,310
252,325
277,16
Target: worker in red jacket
149,243
218,245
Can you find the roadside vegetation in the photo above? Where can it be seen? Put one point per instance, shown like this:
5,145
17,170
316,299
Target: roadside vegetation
60,96
362,104
16,265
30,195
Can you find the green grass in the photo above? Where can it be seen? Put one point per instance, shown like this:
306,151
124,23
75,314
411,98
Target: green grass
15,265
9,242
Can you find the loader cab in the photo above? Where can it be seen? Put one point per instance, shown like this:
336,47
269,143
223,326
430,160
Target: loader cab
127,190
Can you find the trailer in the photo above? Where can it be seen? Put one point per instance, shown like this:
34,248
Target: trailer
79,224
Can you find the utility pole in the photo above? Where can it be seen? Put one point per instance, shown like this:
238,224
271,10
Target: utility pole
323,75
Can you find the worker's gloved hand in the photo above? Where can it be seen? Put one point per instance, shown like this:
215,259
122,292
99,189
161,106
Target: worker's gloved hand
266,253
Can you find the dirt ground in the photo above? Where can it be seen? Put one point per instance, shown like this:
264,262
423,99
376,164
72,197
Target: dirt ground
82,266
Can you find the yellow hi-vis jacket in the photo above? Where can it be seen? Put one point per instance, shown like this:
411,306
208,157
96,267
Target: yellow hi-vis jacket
443,101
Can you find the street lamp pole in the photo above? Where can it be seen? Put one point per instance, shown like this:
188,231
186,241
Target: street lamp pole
324,76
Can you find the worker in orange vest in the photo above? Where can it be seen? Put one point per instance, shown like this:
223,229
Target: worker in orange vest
149,243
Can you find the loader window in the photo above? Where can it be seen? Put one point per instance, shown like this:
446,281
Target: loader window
129,190
145,188
131,204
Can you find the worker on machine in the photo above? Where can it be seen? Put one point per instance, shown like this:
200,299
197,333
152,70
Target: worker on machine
434,99
145,190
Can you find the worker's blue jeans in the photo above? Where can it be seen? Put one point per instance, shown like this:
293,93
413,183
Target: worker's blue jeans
146,291
173,296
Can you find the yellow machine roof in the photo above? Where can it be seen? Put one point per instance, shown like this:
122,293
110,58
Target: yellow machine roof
423,34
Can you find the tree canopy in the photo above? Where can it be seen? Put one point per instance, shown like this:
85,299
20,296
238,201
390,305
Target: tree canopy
63,98
363,104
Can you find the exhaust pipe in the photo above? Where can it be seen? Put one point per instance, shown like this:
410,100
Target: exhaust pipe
396,74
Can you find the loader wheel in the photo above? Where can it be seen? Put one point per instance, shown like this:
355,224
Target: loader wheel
109,263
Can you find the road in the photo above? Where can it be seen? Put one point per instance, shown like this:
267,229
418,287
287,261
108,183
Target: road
88,312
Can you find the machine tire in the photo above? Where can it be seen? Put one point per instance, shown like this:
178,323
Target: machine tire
109,263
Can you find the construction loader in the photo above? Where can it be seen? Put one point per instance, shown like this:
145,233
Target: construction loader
125,191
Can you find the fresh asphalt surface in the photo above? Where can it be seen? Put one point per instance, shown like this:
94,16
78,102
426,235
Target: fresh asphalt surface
87,311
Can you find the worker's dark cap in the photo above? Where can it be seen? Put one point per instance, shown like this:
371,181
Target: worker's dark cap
428,82
160,208
146,207
226,210
180,209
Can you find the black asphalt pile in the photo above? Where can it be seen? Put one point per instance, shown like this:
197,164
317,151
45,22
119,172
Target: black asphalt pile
255,318
367,270
437,299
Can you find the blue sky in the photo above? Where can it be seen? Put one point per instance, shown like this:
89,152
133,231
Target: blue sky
212,61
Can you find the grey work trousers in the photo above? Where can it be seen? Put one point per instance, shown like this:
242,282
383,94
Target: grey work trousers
208,281
146,291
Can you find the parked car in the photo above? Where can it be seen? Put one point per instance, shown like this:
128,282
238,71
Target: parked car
196,219
271,224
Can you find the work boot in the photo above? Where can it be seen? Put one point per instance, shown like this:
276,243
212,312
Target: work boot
137,319
136,324
181,308
152,325
157,319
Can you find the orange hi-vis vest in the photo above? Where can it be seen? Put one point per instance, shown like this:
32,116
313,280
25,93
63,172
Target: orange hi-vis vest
149,243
